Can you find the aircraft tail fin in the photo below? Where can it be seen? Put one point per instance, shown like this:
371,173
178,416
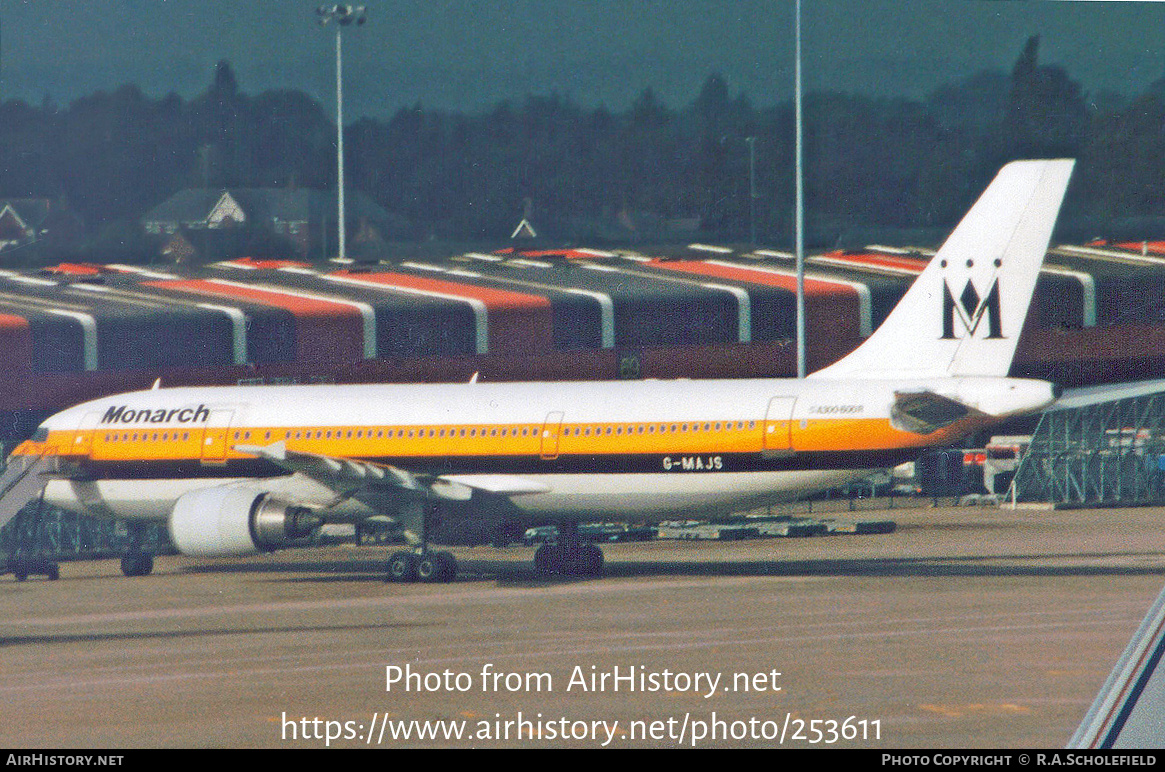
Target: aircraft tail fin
964,313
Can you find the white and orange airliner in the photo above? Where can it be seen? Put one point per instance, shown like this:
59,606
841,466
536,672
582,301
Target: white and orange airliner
238,470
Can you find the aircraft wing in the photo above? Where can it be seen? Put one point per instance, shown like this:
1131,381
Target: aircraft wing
500,484
1129,711
370,482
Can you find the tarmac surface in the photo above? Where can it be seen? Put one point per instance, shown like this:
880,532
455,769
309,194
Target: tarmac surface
971,627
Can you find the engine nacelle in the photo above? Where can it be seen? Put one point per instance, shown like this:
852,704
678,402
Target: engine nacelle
229,521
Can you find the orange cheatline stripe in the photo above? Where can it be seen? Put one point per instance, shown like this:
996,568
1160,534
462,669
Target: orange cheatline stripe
817,435
833,434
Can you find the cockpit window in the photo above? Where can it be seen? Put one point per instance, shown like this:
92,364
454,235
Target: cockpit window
42,434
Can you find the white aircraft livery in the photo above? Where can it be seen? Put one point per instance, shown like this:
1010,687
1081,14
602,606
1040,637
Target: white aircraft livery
1129,711
240,470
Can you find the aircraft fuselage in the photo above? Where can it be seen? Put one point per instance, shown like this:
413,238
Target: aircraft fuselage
640,449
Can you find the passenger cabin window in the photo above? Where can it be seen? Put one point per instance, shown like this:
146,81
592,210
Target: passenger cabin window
42,434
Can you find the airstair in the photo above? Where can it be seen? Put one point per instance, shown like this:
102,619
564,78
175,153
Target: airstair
22,481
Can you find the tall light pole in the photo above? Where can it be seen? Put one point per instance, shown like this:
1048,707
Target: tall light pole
343,15
751,187
800,220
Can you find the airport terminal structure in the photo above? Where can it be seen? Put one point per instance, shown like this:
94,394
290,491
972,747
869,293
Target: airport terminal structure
72,332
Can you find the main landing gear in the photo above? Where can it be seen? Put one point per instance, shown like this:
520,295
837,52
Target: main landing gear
422,565
570,556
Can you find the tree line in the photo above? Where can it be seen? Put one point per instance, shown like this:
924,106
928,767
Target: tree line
591,175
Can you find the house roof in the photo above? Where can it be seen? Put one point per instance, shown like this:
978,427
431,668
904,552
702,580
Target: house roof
35,218
32,212
195,205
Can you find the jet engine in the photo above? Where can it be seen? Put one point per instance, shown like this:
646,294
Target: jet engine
230,521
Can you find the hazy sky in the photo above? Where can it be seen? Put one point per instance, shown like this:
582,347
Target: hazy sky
469,54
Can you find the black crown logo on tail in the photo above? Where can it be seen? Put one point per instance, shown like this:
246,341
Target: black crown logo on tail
970,310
